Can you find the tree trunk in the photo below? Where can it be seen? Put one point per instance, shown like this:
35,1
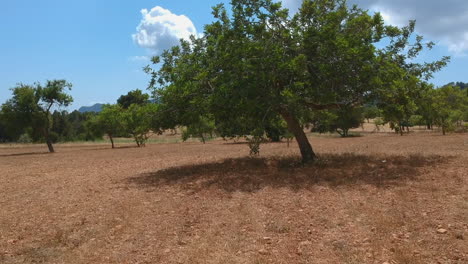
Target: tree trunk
48,141
294,127
50,146
443,130
136,140
112,140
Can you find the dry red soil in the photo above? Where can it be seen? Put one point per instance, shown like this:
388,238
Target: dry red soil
373,199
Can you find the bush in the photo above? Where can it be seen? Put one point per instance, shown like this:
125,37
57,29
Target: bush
25,138
254,145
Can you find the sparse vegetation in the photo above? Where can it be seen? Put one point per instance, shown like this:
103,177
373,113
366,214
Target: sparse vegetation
178,186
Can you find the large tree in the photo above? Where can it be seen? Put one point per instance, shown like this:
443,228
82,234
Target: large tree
31,106
256,64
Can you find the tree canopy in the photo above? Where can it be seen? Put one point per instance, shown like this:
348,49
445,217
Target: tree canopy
255,64
133,97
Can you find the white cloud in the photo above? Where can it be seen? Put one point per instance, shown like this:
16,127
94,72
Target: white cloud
160,29
441,21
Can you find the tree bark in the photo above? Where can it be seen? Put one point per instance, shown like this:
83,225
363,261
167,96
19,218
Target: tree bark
294,127
48,141
112,140
50,146
46,131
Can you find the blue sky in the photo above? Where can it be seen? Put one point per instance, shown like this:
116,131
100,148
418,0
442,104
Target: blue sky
95,44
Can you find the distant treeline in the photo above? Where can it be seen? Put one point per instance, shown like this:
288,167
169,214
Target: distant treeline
128,115
66,127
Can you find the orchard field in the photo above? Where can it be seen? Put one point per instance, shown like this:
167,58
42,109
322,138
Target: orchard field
379,198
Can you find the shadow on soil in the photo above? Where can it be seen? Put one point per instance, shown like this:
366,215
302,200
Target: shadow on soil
25,154
253,174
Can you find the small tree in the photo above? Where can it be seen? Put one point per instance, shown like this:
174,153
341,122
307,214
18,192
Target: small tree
109,121
398,103
370,112
205,127
31,106
339,120
137,122
448,102
347,118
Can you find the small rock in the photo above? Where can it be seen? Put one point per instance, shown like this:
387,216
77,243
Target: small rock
442,231
305,243
263,251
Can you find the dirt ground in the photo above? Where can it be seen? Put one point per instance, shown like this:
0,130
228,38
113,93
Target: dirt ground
373,199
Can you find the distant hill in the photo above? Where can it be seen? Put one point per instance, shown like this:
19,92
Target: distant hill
95,108
98,107
462,85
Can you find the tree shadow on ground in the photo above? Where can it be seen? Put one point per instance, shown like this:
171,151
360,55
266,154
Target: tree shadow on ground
25,154
254,174
117,148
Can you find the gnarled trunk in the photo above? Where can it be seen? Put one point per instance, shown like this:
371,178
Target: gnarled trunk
294,127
